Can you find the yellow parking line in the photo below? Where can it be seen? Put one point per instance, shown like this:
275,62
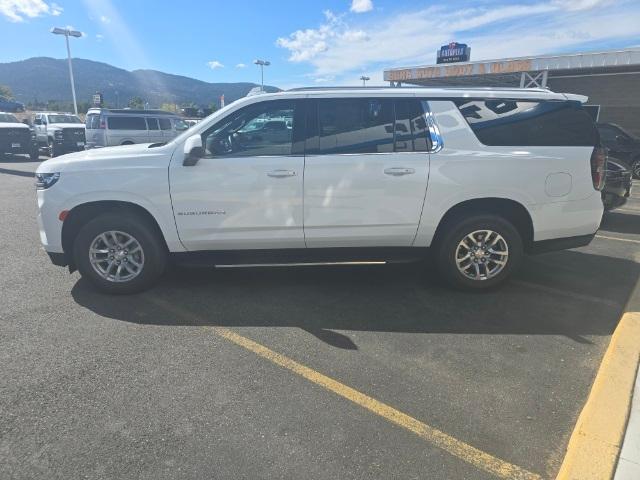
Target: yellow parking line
618,238
596,440
455,447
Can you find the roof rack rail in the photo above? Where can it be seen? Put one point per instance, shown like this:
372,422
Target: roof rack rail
416,87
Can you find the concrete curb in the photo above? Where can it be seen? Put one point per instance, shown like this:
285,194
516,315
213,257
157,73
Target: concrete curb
594,446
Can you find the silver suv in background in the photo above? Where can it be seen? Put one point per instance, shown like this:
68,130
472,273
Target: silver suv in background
109,127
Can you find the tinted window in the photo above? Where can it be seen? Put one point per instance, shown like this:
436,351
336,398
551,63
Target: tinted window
412,132
165,123
356,125
526,123
152,123
127,123
262,129
608,135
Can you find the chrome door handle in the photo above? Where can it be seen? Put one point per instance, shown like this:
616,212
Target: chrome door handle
281,173
399,171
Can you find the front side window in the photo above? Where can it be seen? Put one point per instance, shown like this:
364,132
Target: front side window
505,122
356,125
127,123
265,128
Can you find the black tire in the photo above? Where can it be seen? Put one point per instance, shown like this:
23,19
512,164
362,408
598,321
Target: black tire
155,253
635,168
34,154
52,150
456,230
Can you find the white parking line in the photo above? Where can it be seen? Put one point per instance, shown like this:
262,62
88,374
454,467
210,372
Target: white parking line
618,239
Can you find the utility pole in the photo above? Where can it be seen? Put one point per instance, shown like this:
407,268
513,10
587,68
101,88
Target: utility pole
262,64
69,33
364,80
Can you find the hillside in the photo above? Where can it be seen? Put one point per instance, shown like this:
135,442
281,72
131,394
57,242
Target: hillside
42,79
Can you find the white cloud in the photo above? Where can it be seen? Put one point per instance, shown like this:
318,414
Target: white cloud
305,45
344,48
213,64
99,36
105,19
18,10
361,6
240,65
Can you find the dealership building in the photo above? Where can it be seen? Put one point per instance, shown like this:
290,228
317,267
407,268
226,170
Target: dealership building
610,79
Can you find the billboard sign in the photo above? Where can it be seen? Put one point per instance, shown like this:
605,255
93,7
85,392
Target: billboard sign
454,52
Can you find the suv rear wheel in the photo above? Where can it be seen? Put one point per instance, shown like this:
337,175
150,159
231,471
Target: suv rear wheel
119,254
478,252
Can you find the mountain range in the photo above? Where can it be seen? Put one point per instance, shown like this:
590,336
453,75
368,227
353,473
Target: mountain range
44,79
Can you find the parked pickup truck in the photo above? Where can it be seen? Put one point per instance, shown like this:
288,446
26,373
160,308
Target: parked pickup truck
59,133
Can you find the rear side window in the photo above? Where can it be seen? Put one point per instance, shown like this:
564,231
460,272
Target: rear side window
356,125
127,123
165,123
152,123
411,132
504,122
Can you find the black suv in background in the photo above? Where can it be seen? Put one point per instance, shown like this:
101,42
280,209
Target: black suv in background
621,145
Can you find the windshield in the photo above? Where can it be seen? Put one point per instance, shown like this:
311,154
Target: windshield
63,119
6,118
180,124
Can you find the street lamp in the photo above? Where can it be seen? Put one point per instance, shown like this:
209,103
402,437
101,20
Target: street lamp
364,80
262,63
69,33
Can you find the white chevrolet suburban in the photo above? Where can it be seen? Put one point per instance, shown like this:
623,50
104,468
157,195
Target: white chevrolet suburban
474,177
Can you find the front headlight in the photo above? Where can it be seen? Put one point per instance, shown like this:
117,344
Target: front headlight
46,180
57,134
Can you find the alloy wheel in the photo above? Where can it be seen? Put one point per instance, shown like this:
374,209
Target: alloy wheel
116,256
482,255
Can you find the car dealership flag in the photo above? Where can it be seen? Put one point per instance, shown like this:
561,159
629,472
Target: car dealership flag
222,100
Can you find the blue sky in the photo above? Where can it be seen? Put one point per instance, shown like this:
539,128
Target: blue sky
309,42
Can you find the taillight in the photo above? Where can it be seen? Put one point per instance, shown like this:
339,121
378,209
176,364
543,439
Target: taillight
103,123
598,167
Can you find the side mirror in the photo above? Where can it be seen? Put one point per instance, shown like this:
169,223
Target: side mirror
193,150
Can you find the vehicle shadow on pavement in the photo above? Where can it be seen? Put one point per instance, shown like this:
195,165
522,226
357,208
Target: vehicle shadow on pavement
20,173
554,294
620,223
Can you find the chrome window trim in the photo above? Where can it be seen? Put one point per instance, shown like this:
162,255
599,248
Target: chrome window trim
437,142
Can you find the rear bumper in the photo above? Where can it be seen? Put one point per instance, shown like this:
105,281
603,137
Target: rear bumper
544,246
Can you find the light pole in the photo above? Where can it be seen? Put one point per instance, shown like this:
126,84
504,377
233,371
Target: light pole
69,33
364,79
262,63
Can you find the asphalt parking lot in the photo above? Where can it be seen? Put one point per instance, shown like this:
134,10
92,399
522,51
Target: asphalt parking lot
188,380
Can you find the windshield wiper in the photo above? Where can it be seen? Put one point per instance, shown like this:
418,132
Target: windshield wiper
159,144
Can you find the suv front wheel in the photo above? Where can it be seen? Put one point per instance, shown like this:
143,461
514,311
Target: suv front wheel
119,254
478,252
